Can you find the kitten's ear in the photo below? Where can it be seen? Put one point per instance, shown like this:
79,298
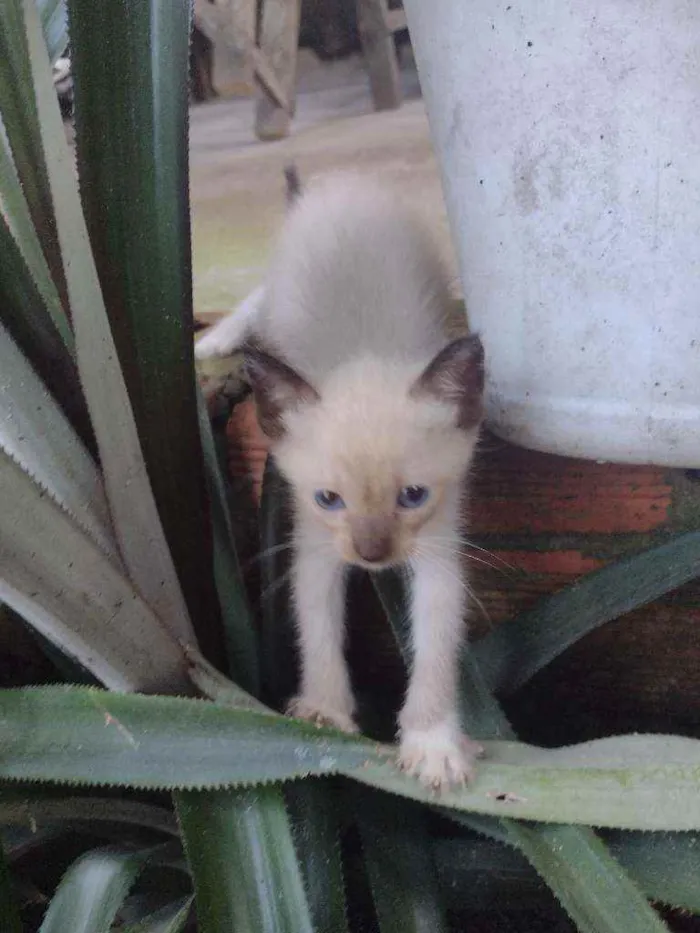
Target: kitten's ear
277,389
457,375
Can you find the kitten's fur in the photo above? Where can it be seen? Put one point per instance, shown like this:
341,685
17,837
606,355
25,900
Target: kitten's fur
360,393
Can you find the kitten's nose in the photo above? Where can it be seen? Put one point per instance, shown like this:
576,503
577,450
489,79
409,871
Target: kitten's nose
371,538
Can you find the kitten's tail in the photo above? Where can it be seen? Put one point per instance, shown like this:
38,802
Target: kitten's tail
293,183
232,331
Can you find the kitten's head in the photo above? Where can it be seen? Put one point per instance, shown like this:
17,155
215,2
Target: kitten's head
377,457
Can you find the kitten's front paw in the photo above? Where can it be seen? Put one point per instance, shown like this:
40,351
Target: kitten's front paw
439,756
321,715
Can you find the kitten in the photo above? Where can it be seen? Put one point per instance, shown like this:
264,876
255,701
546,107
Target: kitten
373,418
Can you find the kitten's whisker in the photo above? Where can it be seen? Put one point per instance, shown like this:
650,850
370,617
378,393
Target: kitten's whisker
454,551
444,566
275,549
476,547
275,585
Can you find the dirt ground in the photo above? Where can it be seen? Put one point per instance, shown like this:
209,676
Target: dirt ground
237,186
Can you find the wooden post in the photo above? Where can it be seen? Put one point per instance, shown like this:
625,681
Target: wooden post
380,53
279,41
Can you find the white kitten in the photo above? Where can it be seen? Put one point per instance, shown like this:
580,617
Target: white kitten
373,417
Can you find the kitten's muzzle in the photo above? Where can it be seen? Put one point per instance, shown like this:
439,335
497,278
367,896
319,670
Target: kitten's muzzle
372,539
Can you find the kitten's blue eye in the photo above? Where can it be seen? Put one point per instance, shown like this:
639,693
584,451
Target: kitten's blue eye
411,497
328,499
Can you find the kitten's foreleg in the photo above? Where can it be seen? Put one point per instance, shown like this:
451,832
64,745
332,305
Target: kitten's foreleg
432,744
231,331
319,594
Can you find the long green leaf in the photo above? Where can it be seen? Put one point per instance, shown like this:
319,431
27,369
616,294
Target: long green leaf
58,579
555,860
239,627
36,807
92,891
87,736
8,905
241,853
510,654
277,636
402,875
130,62
54,25
169,919
14,207
21,121
23,313
477,872
36,434
591,885
134,514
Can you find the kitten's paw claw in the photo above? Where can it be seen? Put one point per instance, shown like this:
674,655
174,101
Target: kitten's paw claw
320,715
440,756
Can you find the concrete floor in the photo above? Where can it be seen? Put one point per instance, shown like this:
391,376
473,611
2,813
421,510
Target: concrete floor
237,186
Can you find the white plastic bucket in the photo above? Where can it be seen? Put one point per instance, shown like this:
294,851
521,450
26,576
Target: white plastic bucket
568,133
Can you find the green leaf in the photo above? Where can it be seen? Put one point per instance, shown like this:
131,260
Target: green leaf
239,627
277,634
21,121
242,858
134,514
38,807
398,855
475,872
88,736
14,207
54,25
590,884
23,313
552,857
313,807
36,435
8,905
57,578
169,919
130,64
92,891
510,654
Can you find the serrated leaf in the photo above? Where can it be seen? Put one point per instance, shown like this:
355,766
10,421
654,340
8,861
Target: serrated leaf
79,735
24,315
130,67
35,433
21,122
554,858
36,807
476,872
589,883
398,855
134,515
313,807
242,858
277,635
58,579
239,627
515,651
92,891
54,25
169,919
14,208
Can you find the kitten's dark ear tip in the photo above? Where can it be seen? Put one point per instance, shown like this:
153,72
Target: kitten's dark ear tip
456,376
277,389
